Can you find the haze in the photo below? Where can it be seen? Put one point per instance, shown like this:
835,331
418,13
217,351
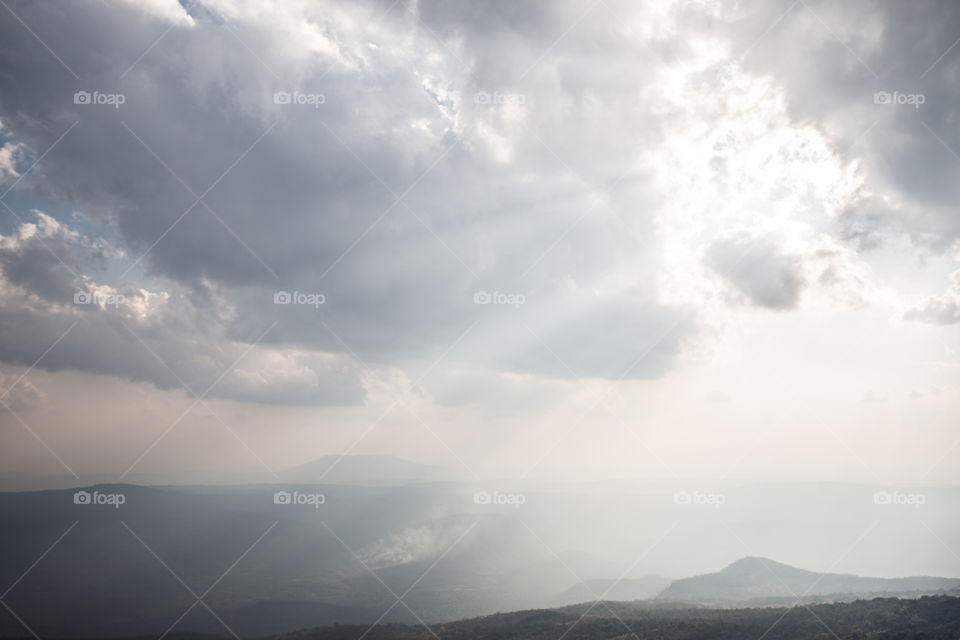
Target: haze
615,258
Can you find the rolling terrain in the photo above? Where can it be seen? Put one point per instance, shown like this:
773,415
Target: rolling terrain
761,581
933,618
206,558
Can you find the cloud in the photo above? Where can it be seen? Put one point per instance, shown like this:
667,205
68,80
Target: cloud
37,258
599,337
10,155
174,338
937,310
759,269
401,193
848,59
170,10
943,309
304,197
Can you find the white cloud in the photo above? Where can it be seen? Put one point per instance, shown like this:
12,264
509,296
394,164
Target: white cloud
943,309
167,10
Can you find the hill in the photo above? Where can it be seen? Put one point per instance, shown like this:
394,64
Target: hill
934,618
117,570
755,581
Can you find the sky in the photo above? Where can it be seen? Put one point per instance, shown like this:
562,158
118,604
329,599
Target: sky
560,240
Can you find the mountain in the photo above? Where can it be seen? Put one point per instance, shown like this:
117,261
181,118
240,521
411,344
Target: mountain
761,580
929,617
114,569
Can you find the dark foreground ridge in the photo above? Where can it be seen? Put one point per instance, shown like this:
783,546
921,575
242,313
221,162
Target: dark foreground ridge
928,617
933,617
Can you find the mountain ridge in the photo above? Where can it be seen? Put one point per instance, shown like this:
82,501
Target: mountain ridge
753,579
928,617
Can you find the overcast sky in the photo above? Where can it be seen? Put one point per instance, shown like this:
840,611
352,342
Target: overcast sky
544,239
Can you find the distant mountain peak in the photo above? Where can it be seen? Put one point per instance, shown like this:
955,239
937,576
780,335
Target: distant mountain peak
749,561
757,564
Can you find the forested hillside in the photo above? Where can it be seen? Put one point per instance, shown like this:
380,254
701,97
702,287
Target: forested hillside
934,617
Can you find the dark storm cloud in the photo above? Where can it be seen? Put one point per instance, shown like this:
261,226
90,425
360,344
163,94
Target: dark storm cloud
174,340
31,262
880,78
170,353
297,198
